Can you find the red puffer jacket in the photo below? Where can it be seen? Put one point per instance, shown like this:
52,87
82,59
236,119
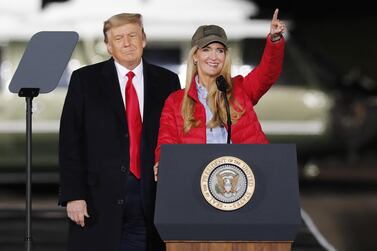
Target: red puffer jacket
246,90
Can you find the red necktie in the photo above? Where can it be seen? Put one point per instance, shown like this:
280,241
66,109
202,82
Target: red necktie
134,125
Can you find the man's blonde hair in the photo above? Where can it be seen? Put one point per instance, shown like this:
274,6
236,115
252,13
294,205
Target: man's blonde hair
122,19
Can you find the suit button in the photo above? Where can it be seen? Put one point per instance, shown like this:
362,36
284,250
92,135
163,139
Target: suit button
123,169
126,135
120,202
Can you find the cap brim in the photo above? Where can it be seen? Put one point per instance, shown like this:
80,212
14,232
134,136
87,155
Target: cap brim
211,39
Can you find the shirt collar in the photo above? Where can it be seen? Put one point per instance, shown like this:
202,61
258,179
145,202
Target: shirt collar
122,71
202,91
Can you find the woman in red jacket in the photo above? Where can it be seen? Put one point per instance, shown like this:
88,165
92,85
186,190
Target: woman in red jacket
197,114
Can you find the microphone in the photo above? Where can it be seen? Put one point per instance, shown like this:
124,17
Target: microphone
222,86
221,83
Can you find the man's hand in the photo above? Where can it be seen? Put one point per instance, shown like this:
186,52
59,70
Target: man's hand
277,27
77,211
155,170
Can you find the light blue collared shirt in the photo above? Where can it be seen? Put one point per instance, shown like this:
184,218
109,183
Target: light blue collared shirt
217,135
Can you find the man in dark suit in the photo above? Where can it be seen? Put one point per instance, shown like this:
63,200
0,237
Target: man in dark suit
108,134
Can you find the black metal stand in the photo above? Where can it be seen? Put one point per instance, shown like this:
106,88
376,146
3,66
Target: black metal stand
29,94
229,121
222,86
39,71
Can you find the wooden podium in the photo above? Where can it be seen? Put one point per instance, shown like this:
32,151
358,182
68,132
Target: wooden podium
227,246
187,221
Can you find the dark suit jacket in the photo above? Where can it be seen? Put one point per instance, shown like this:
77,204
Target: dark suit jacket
94,152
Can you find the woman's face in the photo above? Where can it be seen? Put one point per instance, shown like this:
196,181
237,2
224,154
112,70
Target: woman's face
210,60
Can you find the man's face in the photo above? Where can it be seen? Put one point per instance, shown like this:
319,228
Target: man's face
126,44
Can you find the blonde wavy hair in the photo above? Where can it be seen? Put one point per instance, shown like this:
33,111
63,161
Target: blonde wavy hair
214,99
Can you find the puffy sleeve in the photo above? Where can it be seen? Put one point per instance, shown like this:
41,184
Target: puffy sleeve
262,77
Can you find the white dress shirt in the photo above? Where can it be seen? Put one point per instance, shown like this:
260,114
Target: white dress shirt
138,82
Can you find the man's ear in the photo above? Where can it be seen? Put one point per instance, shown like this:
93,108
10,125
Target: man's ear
144,40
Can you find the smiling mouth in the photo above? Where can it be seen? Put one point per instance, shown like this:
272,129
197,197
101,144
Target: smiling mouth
213,64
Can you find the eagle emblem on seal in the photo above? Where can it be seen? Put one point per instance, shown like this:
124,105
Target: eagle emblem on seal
227,183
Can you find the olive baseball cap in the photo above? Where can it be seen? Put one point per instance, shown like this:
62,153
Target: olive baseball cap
207,34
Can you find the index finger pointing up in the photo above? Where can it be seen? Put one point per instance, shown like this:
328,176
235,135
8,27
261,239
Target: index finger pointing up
275,16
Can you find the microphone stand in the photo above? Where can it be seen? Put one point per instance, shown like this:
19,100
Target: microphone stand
222,86
229,121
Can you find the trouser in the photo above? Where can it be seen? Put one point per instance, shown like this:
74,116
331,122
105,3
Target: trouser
134,230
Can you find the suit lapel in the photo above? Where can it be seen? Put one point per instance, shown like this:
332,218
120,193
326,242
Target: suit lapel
110,86
147,84
149,91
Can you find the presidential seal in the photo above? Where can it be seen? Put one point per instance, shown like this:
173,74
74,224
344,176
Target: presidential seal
227,183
